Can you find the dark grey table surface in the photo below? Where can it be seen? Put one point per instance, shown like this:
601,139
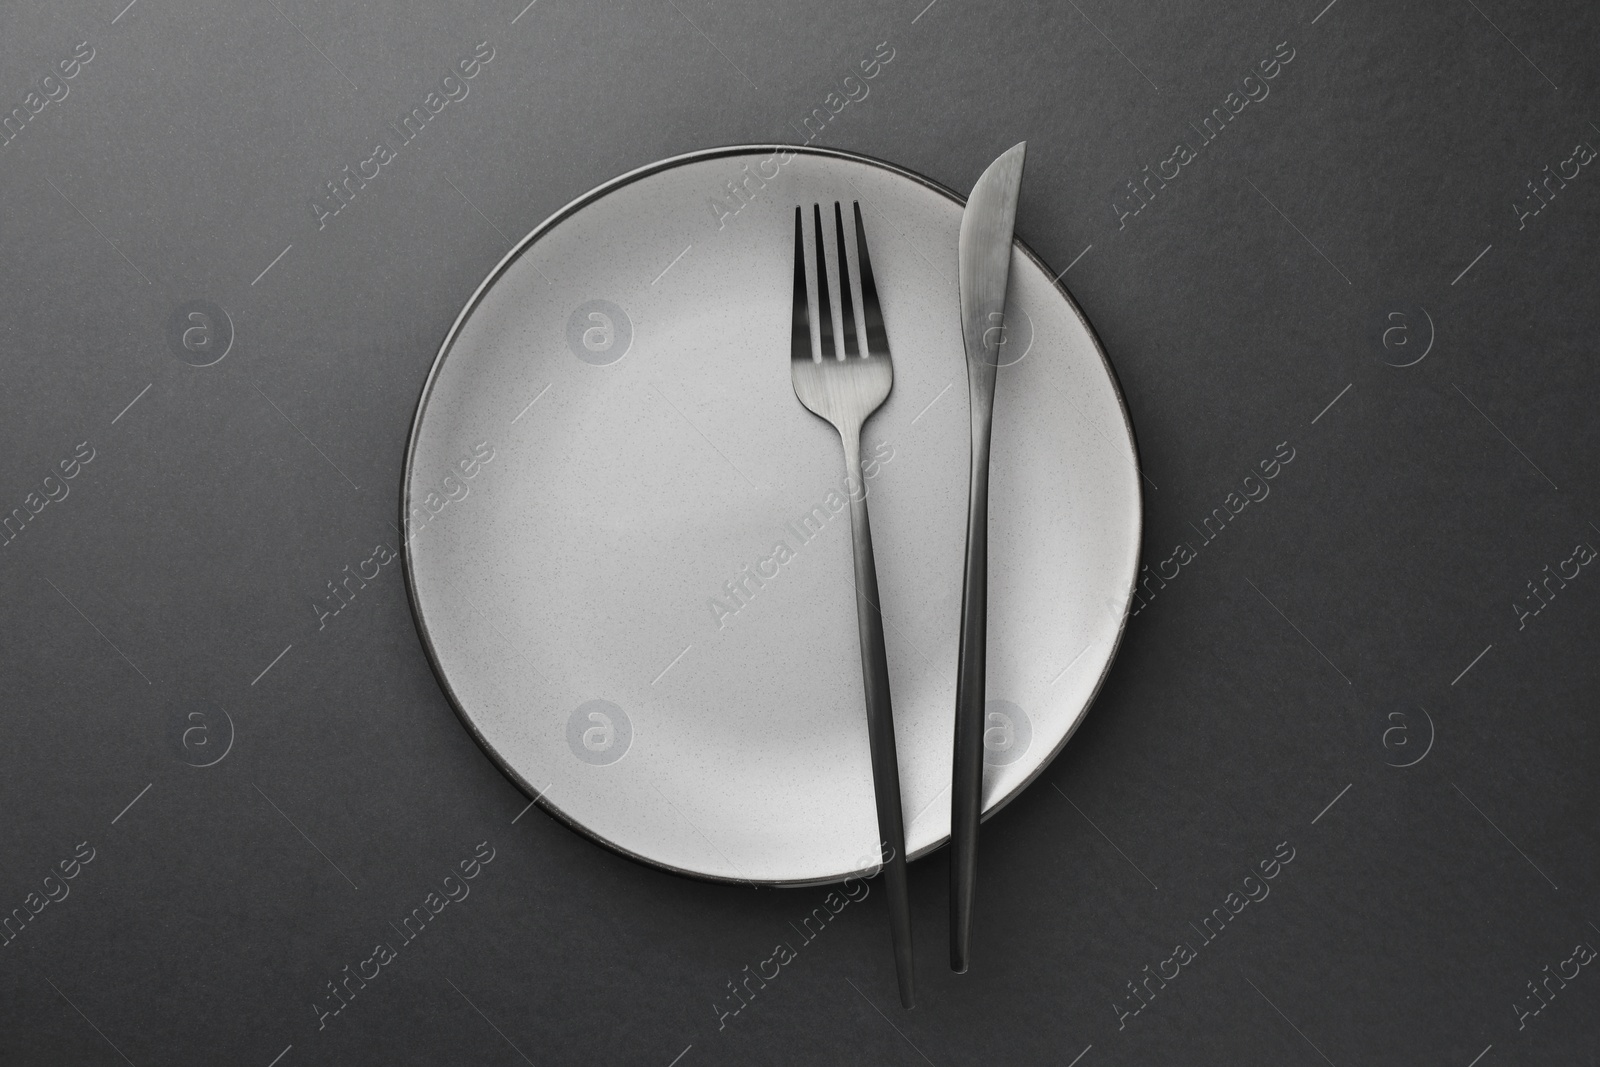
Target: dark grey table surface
1355,672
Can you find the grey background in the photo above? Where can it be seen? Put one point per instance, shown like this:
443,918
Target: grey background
1256,688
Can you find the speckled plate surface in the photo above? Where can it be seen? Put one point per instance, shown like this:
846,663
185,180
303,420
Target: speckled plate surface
628,545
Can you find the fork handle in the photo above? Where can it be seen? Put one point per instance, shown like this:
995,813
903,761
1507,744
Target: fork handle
880,721
966,783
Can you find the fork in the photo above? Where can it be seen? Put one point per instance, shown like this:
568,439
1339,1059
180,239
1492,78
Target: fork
845,388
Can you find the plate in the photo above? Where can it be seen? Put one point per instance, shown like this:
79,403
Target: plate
628,547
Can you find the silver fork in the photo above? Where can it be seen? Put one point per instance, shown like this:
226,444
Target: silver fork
845,388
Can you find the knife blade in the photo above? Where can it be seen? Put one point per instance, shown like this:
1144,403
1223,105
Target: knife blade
983,254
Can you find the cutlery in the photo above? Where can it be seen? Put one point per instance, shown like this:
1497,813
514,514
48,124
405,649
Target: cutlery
845,387
983,253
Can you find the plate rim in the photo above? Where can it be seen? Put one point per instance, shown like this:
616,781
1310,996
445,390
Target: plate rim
571,208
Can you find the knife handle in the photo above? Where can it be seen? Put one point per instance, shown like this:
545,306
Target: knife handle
966,780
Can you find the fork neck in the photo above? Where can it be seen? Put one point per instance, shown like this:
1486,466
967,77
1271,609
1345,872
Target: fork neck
850,436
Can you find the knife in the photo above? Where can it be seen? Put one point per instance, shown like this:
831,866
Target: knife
984,256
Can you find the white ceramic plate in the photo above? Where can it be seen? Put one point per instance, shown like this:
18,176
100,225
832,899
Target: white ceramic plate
608,456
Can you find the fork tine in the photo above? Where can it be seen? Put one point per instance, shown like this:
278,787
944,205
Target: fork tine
847,306
824,306
872,311
800,331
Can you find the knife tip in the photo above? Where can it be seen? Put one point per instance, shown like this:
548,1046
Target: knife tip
1013,158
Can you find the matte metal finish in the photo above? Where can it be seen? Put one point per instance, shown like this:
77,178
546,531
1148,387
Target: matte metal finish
984,254
845,386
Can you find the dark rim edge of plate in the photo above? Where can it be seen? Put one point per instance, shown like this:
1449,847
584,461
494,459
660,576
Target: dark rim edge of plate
537,796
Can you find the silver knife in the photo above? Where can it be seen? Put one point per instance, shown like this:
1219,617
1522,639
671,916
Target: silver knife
984,255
